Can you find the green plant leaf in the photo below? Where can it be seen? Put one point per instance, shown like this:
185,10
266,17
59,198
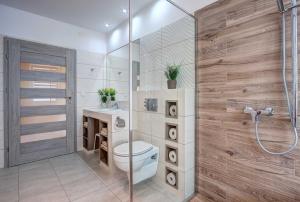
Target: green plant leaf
172,71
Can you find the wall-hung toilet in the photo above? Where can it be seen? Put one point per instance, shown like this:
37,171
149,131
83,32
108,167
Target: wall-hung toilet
144,158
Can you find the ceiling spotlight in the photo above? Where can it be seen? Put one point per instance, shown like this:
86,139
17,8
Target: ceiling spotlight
124,10
106,25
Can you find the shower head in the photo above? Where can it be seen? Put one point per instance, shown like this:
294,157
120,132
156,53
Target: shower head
280,5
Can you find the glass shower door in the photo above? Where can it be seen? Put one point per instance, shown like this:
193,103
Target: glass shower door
162,102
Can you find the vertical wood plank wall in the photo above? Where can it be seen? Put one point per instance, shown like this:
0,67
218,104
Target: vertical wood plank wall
238,65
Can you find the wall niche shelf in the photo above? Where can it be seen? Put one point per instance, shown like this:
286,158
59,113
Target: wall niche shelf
90,128
171,109
103,150
171,178
171,155
171,132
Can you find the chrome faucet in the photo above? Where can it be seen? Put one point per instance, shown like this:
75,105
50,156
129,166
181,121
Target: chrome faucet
255,114
115,105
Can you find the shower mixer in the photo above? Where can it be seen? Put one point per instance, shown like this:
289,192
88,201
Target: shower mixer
255,114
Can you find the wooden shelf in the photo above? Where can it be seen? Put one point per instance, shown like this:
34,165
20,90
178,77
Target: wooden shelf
103,148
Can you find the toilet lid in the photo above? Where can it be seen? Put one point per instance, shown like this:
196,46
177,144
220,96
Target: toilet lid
138,148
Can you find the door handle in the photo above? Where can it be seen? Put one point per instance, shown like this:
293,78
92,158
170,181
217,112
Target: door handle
68,97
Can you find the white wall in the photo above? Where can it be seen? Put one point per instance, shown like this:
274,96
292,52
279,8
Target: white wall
193,5
24,25
91,76
152,18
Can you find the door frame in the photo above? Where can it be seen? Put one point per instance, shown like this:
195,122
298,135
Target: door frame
71,76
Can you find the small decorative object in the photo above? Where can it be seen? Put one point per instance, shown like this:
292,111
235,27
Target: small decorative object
107,95
172,73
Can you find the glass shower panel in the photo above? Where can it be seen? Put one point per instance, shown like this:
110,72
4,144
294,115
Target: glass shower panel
163,101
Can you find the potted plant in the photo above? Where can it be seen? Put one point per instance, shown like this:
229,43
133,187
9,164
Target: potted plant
172,73
107,95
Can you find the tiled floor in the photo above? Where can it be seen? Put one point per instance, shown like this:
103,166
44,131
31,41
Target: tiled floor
74,177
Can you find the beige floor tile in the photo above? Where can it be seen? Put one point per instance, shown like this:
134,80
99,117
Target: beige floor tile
99,196
9,188
83,186
54,194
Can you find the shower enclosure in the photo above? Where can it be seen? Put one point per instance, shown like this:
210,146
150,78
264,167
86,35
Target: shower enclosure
160,36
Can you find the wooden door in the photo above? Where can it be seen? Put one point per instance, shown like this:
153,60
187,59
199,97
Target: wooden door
40,101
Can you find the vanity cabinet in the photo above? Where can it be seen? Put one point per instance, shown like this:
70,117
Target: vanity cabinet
109,133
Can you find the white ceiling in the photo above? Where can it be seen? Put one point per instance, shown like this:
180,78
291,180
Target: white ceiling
90,14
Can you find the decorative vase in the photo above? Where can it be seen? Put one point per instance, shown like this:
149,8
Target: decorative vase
172,84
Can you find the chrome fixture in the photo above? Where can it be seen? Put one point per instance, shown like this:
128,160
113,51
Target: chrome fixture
120,123
115,105
292,101
255,114
150,104
282,8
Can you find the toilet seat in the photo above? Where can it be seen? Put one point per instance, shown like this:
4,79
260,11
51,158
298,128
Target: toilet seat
138,148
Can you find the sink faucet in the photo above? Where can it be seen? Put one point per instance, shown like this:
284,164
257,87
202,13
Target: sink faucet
115,105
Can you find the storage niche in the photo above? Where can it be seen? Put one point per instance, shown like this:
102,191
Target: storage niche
171,132
171,155
171,109
171,177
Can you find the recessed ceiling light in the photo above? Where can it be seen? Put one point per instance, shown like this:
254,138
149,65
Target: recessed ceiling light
124,10
106,25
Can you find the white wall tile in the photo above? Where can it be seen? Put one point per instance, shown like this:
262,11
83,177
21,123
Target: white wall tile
160,143
90,85
144,122
88,100
86,71
120,86
189,182
151,61
85,57
186,77
137,135
119,137
186,102
158,125
186,129
180,53
115,74
150,42
178,31
118,62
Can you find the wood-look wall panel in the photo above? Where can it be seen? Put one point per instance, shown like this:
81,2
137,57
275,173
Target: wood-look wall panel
239,64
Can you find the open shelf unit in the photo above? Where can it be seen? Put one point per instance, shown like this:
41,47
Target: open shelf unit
103,150
90,128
